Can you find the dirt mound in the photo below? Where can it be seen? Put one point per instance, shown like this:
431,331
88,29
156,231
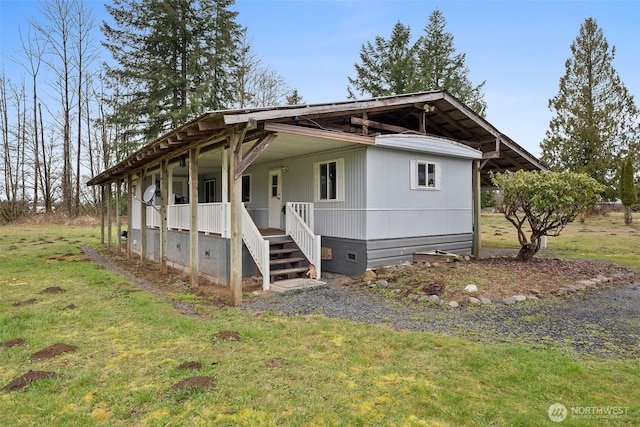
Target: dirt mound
53,290
12,343
69,307
228,335
201,383
193,366
53,351
21,382
29,301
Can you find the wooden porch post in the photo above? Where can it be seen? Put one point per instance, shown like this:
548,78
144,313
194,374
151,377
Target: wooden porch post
118,216
235,138
109,215
193,201
143,219
475,179
129,212
102,207
164,200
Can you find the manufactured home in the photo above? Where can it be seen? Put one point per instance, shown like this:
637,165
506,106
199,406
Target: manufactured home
344,186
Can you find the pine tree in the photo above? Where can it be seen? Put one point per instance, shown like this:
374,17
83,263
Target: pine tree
627,188
174,61
594,117
440,68
395,66
388,66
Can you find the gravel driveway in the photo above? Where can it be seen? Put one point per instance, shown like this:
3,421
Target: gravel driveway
599,322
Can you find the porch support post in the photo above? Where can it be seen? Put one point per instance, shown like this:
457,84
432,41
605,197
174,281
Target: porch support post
193,201
129,212
475,179
164,199
118,216
102,207
235,137
225,175
143,218
109,215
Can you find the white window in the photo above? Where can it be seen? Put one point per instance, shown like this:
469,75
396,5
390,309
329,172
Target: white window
425,175
329,180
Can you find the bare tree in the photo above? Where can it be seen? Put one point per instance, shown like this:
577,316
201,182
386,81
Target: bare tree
59,16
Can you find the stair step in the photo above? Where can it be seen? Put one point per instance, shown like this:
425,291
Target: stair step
283,251
286,260
279,241
288,271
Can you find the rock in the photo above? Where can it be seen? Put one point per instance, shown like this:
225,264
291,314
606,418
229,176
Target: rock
519,298
423,298
485,301
436,264
466,258
475,301
472,289
414,297
345,282
509,301
454,304
426,264
368,275
533,297
382,284
603,279
434,299
535,291
572,288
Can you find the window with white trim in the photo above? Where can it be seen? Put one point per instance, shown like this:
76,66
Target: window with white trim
329,180
425,175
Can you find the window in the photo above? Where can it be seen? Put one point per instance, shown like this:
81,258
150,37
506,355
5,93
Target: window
425,175
210,190
329,180
246,188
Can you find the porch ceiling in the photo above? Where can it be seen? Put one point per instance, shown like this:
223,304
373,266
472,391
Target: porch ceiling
304,129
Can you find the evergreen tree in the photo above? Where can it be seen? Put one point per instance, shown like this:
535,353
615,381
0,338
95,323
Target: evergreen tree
395,66
595,120
440,68
627,188
174,60
388,66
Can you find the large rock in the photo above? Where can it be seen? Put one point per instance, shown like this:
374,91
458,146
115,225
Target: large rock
454,304
368,275
475,301
471,289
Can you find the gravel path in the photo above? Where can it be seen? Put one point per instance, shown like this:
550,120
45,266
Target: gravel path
600,322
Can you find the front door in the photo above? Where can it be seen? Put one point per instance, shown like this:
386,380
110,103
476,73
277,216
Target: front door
275,198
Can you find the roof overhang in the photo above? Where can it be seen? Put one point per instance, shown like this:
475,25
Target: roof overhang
437,114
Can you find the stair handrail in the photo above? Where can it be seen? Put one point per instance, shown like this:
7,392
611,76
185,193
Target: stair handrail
308,242
257,245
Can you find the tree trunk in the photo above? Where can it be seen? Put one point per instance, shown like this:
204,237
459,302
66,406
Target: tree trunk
627,215
529,250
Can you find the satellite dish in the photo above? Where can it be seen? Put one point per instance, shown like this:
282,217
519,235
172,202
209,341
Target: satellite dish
149,193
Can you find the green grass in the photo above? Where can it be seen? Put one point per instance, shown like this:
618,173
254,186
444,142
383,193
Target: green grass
602,238
305,370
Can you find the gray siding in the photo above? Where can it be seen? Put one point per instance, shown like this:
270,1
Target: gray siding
394,210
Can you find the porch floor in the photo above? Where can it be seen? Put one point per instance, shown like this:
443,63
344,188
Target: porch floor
296,285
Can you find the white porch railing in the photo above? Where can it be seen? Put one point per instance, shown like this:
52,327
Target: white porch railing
257,246
305,211
214,218
302,234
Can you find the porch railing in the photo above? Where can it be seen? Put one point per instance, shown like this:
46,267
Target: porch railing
212,217
258,247
302,234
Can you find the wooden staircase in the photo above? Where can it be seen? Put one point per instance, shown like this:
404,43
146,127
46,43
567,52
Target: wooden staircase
286,261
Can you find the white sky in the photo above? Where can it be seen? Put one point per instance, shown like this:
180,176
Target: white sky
518,47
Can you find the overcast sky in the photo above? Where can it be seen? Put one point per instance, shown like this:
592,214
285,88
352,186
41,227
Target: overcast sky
518,47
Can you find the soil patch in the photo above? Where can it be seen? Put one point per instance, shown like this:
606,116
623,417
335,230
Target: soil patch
53,351
201,383
228,335
12,343
29,301
192,366
69,307
21,382
53,290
